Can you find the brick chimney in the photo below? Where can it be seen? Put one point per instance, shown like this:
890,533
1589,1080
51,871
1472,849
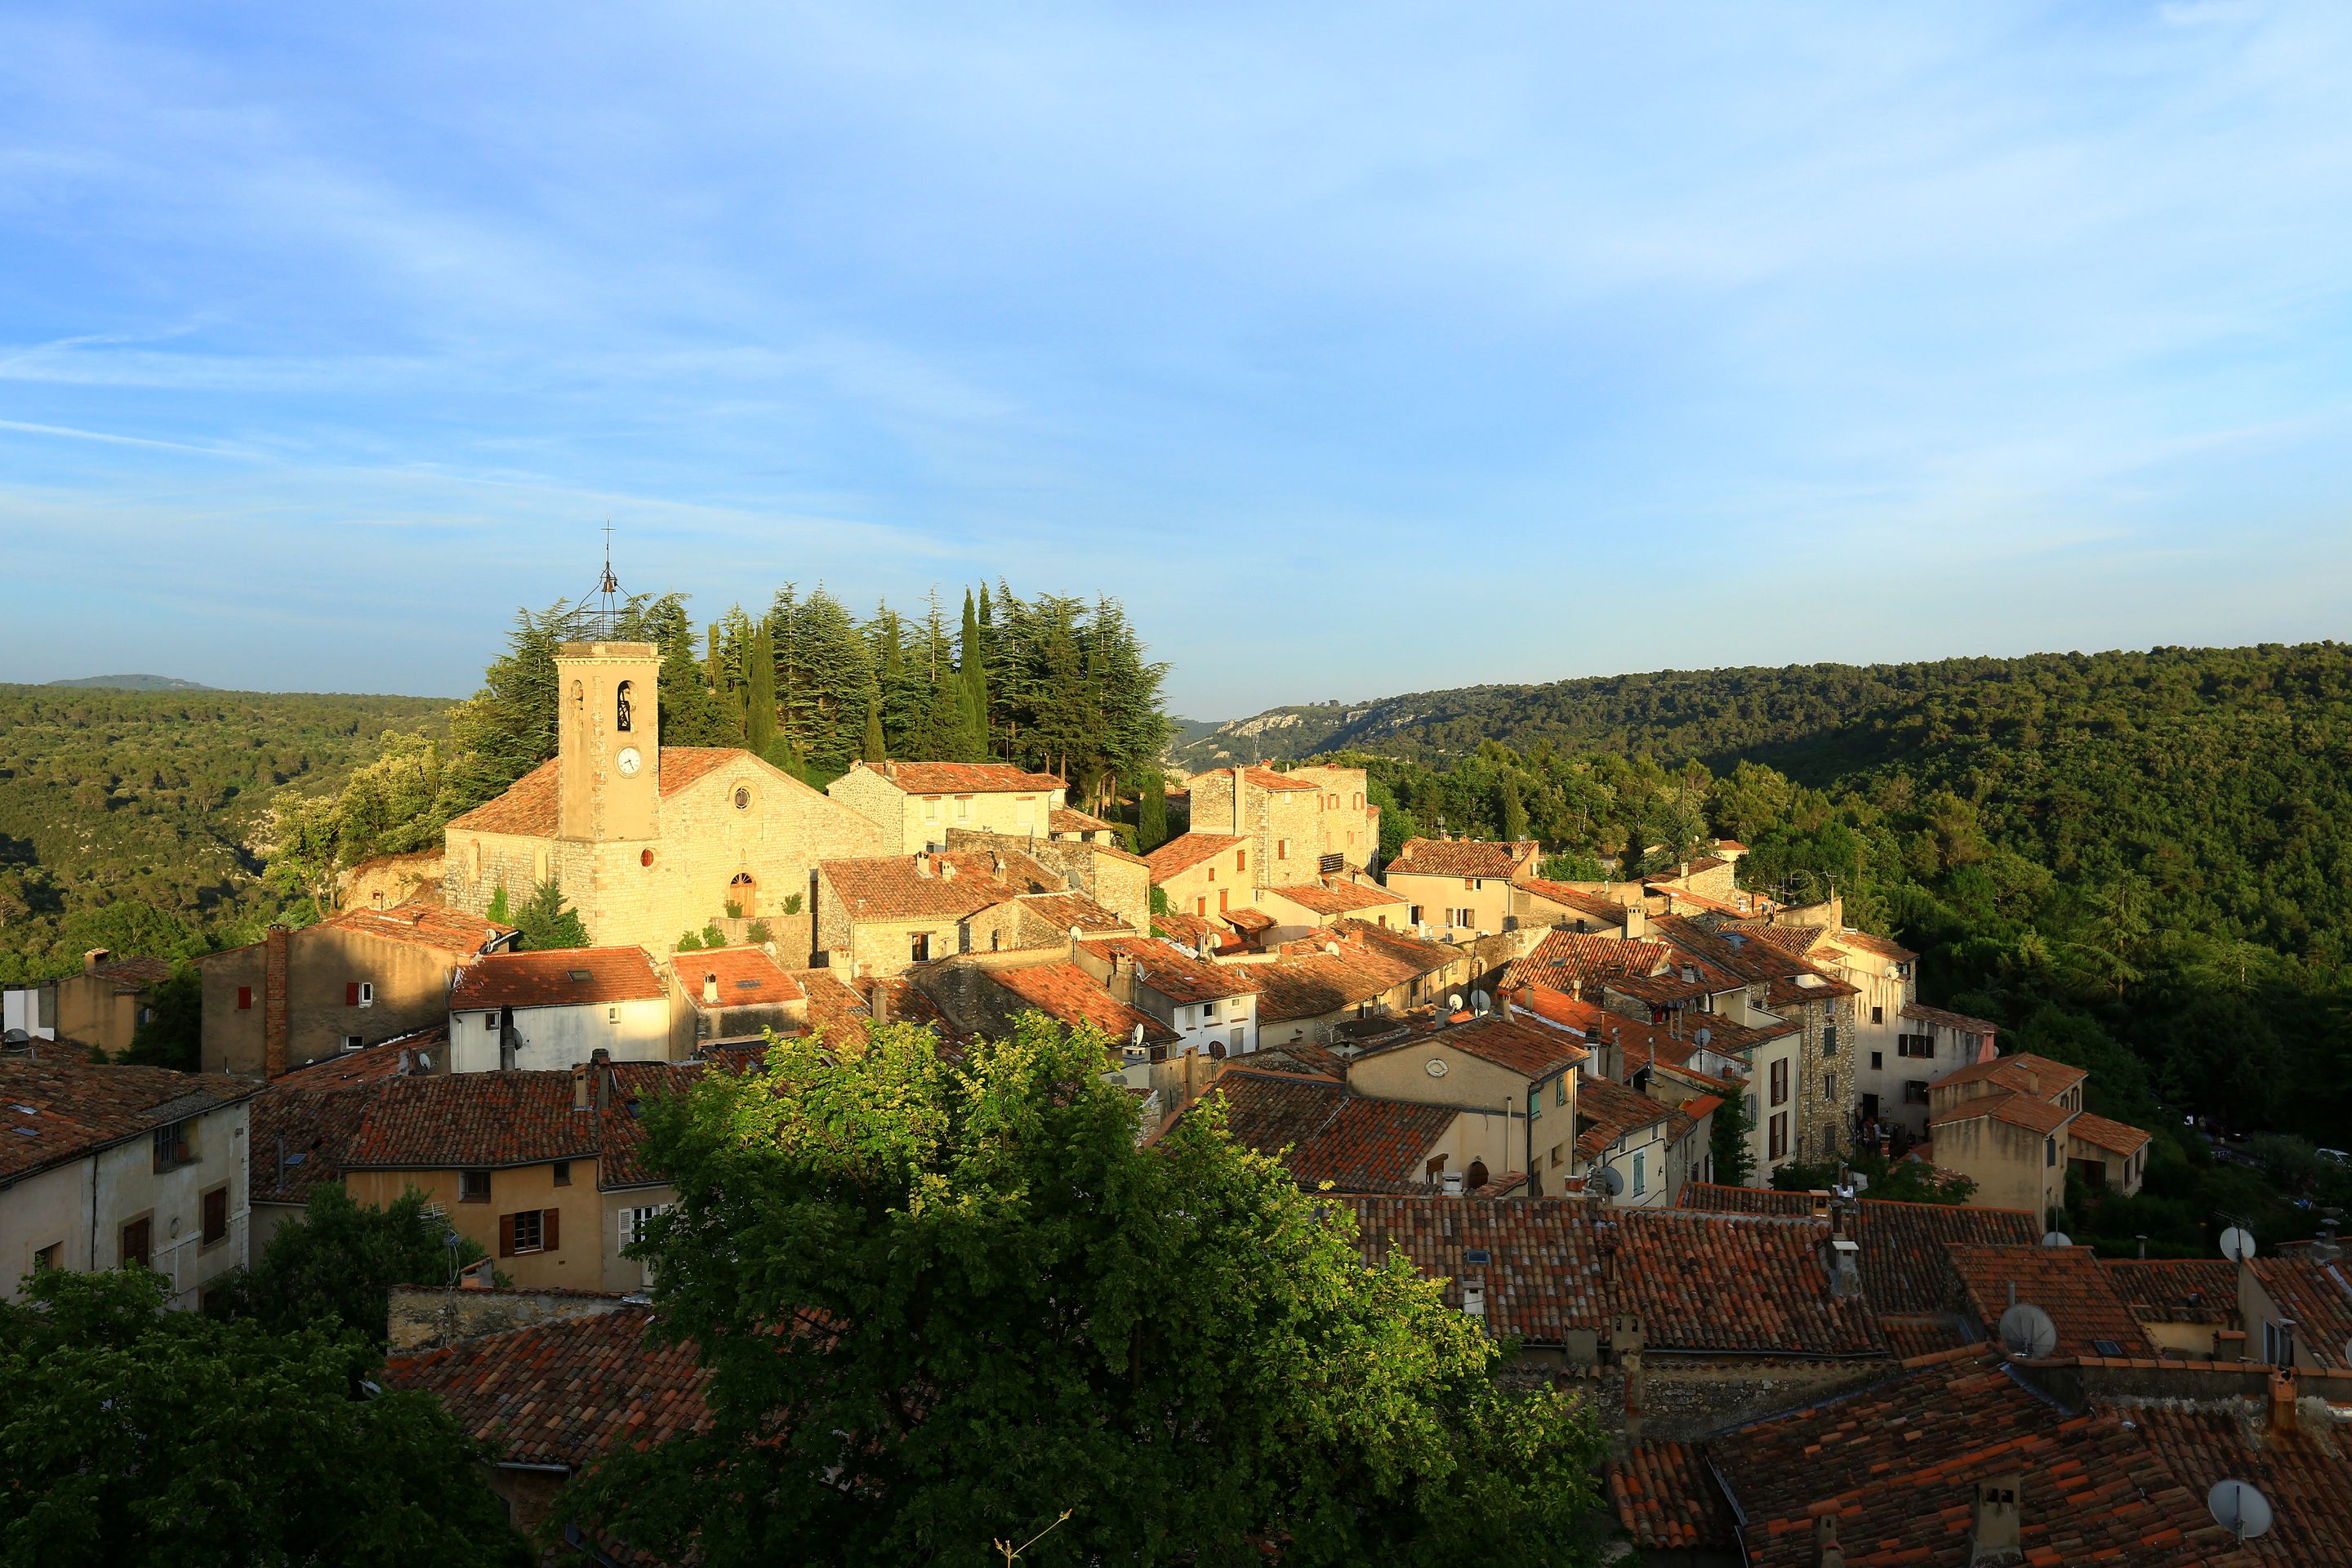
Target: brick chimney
1994,1526
276,963
2282,1401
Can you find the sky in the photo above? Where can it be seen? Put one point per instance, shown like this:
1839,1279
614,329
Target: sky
1359,349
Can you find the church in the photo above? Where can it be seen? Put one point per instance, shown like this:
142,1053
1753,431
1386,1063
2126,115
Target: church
647,841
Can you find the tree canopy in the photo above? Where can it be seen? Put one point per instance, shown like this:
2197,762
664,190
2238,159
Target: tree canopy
944,1303
338,1264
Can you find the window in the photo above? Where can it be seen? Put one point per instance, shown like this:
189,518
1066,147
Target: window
1640,1184
742,798
1555,1156
137,1242
963,808
1915,1091
353,1042
1208,1012
1212,873
1780,1083
48,1256
1465,917
2278,1343
1201,906
1878,1015
490,1020
1829,1085
2049,1151
351,994
1559,1090
1241,860
636,1224
528,1230
1914,1046
1828,1039
1777,1136
215,1216
621,705
1281,848
919,951
563,1173
1412,914
1224,900
245,998
473,1187
1469,884
173,1148
1877,1061
930,808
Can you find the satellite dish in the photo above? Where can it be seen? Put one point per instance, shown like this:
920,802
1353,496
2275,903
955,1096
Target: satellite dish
1453,1002
2026,1330
2057,1239
1138,1035
2238,1507
1703,1037
1075,933
2237,1244
1607,1179
1480,1001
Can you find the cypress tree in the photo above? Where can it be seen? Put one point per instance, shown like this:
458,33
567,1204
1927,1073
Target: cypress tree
760,692
1514,814
1150,810
875,751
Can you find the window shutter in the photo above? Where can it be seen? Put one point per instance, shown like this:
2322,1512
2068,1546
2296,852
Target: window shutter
550,1236
505,1235
351,994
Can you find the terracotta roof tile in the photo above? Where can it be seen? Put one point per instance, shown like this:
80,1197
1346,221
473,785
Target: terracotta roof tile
1183,853
2305,1480
1575,899
1063,819
2115,1137
471,1119
134,975
945,886
966,778
747,977
1521,1046
1337,897
53,1109
1347,964
1063,991
2177,1289
1646,1045
1715,1198
1322,1132
1606,1111
1906,1249
1922,1336
1171,972
1461,858
1266,778
557,977
1569,961
1961,1022
1789,979
1063,911
2065,1282
1854,941
2317,1294
1667,1500
567,1390
2017,1109
528,806
419,924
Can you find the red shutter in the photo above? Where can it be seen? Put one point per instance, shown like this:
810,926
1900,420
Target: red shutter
550,1232
245,998
351,994
505,1235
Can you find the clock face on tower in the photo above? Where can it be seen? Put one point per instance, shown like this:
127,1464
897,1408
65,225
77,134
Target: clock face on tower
627,762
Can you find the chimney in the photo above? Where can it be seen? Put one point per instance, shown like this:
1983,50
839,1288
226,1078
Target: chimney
2324,1250
947,870
1842,1262
1637,1393
922,863
1821,1205
276,962
1993,1524
580,1088
710,990
1826,1551
2282,1401
93,958
607,1084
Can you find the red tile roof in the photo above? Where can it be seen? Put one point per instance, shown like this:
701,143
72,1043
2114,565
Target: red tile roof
1854,941
2177,1289
1063,911
1575,899
1062,819
2305,1479
1715,1198
1336,897
1938,1018
1906,1257
1266,778
2115,1137
1569,961
1340,967
1323,1133
471,1119
1668,1501
1911,1337
947,886
133,976
557,977
840,1015
55,1109
2065,1282
1646,1045
1461,858
1895,1463
964,778
528,806
418,924
1533,1050
1606,1111
1789,979
299,1135
2319,1296
1182,854
566,1391
747,977
1063,991
1171,972
2017,1109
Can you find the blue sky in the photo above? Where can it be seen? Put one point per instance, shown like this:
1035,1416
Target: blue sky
1359,349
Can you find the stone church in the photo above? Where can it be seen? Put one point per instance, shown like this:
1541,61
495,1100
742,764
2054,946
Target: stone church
646,841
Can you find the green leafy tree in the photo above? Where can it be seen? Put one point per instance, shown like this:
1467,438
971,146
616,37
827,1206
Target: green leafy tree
1727,1140
547,922
131,1433
172,1035
338,1262
968,1288
498,912
690,942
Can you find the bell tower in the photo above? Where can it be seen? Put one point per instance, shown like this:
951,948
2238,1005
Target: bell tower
608,741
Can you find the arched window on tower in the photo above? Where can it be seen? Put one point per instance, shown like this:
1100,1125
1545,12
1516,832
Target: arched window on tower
621,706
579,701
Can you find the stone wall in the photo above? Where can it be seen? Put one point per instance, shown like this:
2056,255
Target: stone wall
427,1318
410,992
1685,1400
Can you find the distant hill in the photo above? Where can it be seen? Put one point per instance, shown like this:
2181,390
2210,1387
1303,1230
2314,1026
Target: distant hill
136,683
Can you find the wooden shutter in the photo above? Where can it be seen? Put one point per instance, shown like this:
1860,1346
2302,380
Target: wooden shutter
505,1235
351,994
215,1215
551,1234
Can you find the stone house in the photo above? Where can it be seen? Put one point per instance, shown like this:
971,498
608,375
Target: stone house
1114,877
1067,825
1625,1131
1538,901
646,841
105,1167
730,993
1213,1008
1348,823
1302,908
2003,1125
1930,1044
541,1168
1331,1138
355,979
879,917
1460,885
102,1007
1206,875
552,1010
1518,1072
1308,991
1280,817
915,806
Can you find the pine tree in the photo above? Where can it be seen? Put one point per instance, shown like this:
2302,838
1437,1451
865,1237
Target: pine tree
839,671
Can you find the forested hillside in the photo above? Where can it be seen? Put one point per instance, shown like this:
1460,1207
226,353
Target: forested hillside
2141,863
127,818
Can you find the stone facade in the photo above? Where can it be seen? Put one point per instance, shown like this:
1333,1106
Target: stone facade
1346,820
340,984
914,810
1280,815
1828,1083
1119,881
